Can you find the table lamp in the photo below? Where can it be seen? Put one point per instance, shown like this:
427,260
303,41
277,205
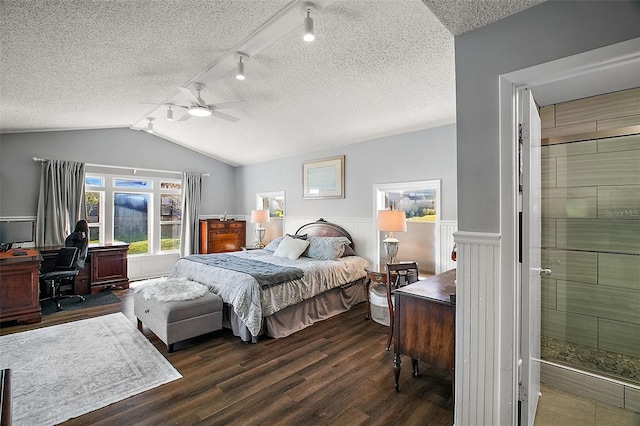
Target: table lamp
391,221
259,217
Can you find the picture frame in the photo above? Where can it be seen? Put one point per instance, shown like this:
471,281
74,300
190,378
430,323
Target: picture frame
323,178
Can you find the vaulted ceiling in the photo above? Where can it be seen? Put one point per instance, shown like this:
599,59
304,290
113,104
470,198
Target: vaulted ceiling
376,68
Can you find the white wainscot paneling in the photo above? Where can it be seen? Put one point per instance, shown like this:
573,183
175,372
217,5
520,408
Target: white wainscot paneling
477,368
142,267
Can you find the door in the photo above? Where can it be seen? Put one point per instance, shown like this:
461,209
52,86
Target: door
530,262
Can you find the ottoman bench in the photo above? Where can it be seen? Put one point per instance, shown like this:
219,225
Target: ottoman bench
175,321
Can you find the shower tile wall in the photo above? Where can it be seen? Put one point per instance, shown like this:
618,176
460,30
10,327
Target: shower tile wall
591,235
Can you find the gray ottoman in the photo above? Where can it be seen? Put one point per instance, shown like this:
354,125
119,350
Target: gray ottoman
179,320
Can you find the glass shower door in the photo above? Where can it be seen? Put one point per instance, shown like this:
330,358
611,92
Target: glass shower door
591,242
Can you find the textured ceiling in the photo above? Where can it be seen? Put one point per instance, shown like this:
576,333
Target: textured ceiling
376,68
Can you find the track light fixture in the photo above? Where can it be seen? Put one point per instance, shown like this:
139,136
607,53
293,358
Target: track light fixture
150,124
240,70
308,21
169,114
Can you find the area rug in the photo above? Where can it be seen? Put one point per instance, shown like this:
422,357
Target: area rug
71,304
67,370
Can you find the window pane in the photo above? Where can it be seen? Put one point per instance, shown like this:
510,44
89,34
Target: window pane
131,183
92,202
94,181
170,185
169,236
170,207
94,234
418,205
130,221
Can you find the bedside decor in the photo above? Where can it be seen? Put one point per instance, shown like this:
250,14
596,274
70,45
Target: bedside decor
323,178
259,217
391,221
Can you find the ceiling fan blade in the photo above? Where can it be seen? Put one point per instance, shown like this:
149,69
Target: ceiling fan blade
185,117
225,116
193,98
223,105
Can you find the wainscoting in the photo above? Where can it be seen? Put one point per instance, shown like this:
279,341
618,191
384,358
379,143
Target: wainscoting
477,373
151,266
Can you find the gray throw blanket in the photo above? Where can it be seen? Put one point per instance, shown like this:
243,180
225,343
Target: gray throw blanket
266,274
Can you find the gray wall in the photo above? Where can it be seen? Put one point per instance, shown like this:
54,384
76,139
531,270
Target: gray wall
549,31
20,175
421,155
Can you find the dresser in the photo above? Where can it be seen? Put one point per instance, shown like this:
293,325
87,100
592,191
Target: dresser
19,286
106,266
220,236
425,324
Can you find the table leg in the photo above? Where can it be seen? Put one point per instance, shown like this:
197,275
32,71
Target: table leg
414,367
396,370
367,283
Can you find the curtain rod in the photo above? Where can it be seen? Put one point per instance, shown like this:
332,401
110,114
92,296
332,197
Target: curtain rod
135,169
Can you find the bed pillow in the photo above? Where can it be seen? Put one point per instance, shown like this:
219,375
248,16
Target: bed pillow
326,248
300,237
348,251
273,244
291,248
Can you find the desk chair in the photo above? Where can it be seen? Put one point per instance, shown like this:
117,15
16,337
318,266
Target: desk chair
398,275
63,274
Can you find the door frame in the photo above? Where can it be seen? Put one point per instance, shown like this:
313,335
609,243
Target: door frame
561,70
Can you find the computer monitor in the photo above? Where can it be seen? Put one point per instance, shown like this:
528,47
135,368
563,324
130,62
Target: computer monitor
15,231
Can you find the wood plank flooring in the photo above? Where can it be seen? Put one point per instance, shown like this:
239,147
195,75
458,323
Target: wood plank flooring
336,372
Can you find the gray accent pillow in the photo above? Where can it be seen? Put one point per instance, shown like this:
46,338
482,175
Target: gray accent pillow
326,248
273,244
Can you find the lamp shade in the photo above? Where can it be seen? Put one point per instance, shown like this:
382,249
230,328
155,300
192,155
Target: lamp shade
392,221
259,216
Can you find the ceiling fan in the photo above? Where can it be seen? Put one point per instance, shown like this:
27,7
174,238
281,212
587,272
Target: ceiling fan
199,108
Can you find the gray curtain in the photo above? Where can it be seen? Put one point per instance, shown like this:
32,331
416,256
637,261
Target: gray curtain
191,193
61,201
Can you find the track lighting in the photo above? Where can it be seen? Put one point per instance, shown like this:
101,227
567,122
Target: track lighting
150,124
240,70
169,114
308,21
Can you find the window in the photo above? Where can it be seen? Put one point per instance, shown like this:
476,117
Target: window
421,205
145,212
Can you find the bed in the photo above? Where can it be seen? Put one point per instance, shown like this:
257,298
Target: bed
274,292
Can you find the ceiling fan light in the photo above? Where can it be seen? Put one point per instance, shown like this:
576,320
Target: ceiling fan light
199,111
308,28
240,73
150,125
169,114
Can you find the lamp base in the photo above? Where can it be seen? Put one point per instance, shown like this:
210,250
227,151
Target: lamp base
391,248
260,236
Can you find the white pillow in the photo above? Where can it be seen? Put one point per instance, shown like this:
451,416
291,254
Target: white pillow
291,248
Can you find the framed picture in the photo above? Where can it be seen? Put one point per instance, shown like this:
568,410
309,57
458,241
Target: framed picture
323,178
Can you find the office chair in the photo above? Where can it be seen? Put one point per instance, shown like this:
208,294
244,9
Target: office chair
65,272
398,275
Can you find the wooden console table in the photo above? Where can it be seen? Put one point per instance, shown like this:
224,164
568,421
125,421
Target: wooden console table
19,286
106,266
425,324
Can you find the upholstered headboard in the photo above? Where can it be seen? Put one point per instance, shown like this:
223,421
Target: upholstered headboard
322,228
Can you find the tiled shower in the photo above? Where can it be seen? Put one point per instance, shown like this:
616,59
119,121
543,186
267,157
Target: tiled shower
590,343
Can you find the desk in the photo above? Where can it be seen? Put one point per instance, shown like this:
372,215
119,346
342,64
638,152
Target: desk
106,266
425,324
19,288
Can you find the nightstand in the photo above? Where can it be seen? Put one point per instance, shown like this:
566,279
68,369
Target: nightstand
376,274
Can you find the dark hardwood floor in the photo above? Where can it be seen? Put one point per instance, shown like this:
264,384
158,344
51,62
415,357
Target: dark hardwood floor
336,372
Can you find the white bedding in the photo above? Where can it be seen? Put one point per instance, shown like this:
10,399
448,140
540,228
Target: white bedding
252,303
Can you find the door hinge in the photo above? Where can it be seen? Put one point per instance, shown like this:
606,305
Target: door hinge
520,160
